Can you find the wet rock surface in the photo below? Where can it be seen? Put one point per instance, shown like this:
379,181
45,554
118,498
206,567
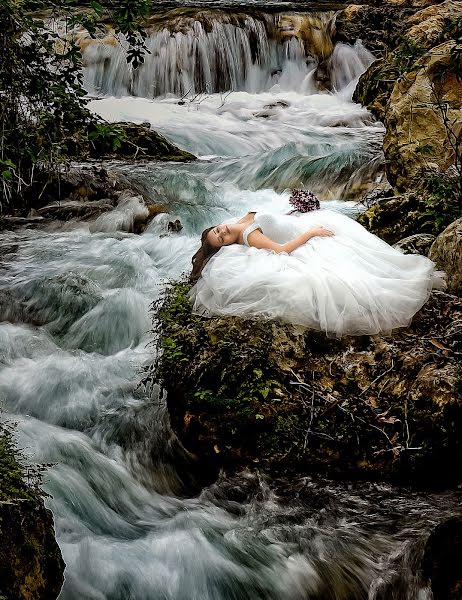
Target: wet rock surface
136,142
416,244
31,566
103,197
253,393
442,559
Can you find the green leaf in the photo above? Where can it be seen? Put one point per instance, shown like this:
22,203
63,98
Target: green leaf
96,6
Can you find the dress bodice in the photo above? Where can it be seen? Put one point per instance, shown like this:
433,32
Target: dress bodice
279,228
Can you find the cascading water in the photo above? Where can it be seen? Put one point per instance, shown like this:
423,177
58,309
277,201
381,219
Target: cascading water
74,304
216,52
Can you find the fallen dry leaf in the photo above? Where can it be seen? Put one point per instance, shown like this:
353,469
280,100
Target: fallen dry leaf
439,345
389,420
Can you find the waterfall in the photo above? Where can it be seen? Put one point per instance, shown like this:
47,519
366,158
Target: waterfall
215,52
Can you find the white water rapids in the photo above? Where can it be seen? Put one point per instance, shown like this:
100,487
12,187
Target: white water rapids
75,335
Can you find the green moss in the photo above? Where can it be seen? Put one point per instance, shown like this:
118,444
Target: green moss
430,210
17,482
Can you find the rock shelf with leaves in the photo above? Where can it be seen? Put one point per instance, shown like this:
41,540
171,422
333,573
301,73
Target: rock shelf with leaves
244,393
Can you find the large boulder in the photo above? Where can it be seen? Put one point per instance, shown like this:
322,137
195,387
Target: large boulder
380,27
431,26
31,565
416,91
446,252
242,393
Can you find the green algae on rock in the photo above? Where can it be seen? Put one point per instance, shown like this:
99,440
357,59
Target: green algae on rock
31,565
259,393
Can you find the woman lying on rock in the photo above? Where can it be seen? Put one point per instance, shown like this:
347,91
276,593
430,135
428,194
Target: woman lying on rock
319,269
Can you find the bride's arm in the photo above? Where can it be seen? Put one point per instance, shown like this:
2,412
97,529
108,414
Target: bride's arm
258,240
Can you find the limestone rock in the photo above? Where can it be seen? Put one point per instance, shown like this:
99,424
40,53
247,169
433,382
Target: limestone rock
429,26
377,83
416,136
379,27
418,243
446,252
313,30
375,86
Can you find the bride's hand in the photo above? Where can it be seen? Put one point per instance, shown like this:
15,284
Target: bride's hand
320,232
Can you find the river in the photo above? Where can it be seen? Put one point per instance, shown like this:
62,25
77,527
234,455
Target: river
131,520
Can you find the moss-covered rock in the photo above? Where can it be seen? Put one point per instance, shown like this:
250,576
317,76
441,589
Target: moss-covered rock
126,141
31,565
260,393
399,217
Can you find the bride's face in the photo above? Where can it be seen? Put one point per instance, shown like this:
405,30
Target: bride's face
221,235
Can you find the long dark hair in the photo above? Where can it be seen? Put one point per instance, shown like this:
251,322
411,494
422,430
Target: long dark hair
202,256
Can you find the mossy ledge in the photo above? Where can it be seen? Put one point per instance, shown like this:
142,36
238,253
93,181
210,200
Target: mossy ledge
250,393
126,141
31,565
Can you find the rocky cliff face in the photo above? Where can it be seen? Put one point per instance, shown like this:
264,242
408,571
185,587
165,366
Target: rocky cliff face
416,91
423,116
253,393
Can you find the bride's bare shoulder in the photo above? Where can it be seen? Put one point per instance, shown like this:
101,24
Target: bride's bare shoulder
248,218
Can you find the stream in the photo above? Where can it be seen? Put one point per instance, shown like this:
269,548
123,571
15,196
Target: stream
131,519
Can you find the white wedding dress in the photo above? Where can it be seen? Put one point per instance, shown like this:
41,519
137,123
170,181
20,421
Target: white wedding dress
350,284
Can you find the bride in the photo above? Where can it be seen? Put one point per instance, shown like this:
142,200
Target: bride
319,269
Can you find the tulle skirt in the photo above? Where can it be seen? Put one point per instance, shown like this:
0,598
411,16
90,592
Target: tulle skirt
350,284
